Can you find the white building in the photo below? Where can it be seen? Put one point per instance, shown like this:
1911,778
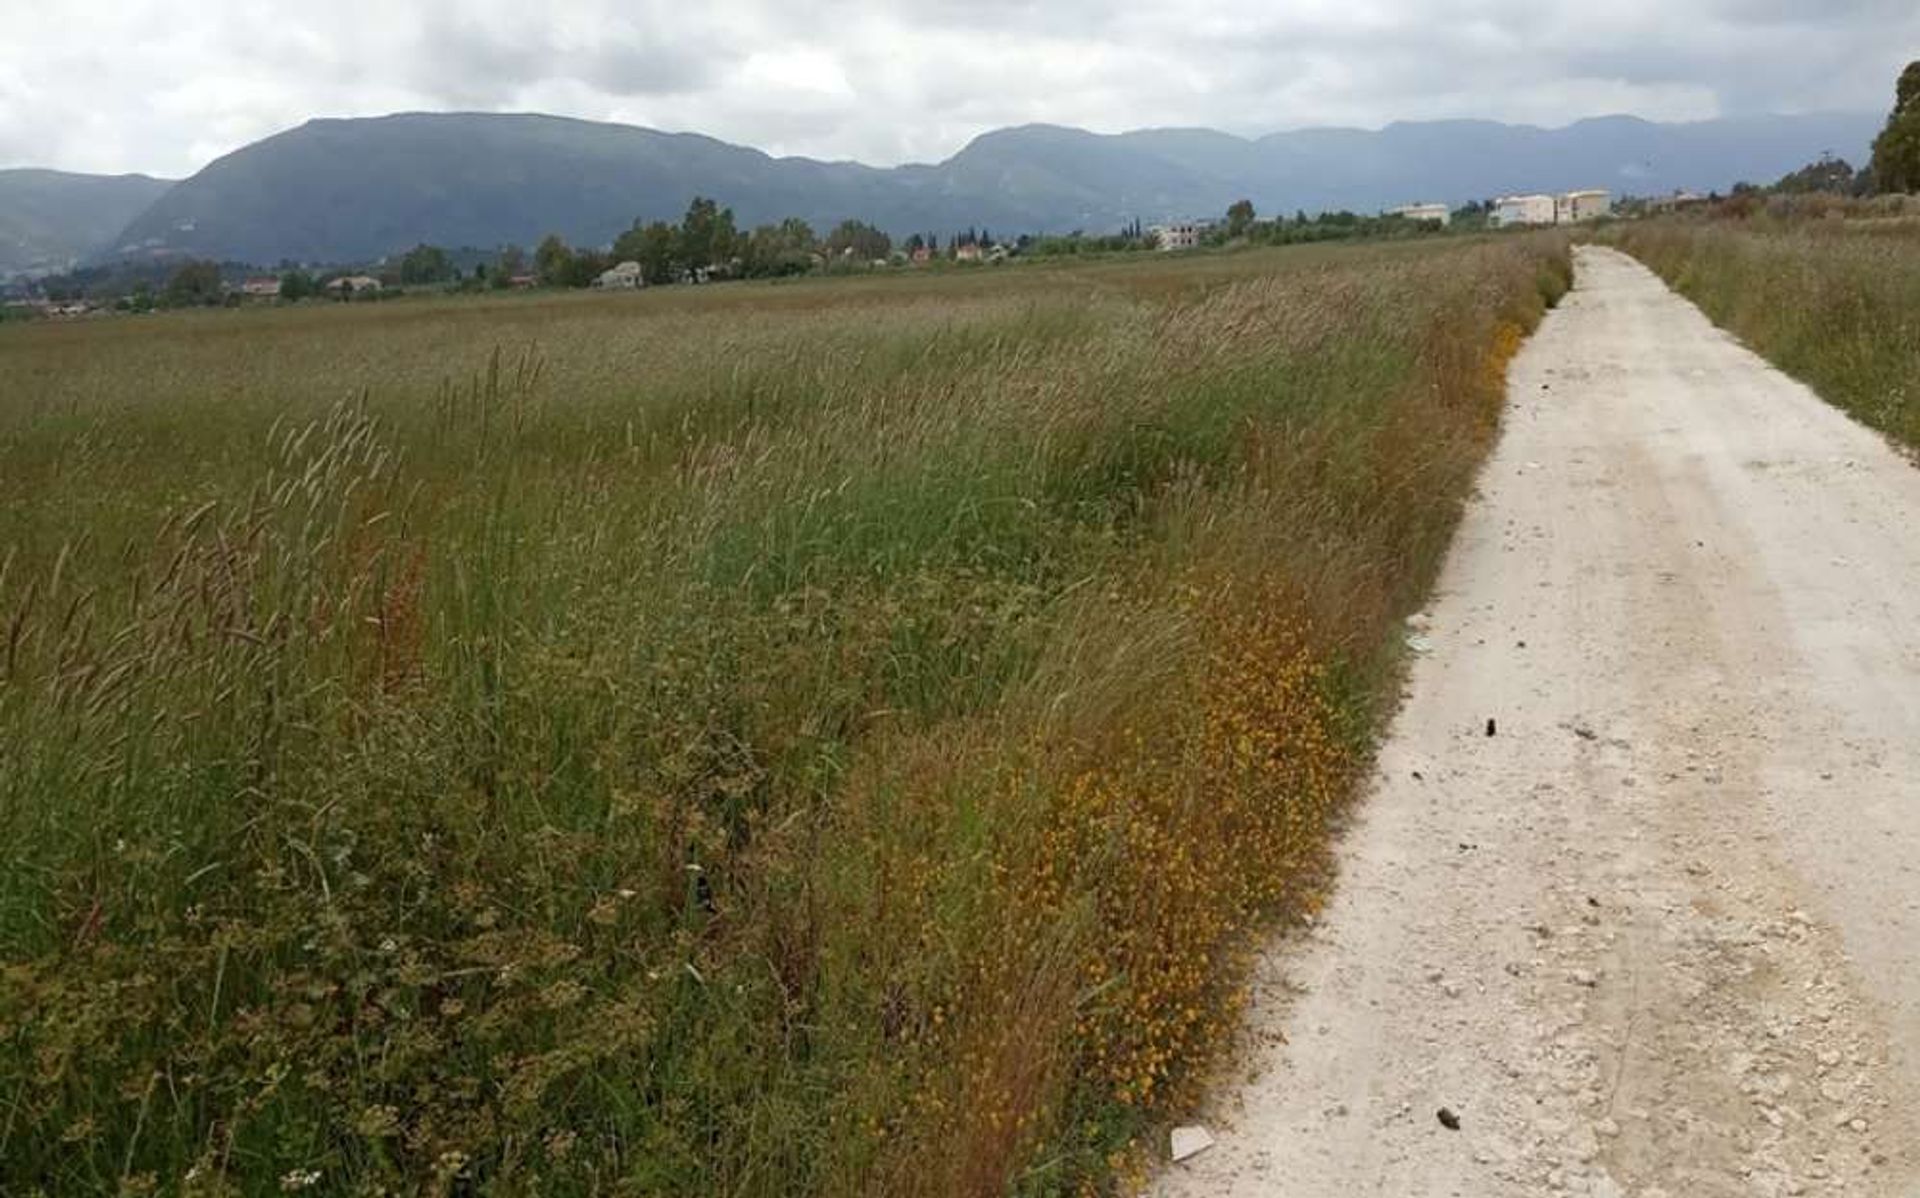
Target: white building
1180,235
1524,210
1673,203
624,277
1568,208
1577,206
1438,213
354,284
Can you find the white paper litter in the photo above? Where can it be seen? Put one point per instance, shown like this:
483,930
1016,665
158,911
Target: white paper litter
1190,1141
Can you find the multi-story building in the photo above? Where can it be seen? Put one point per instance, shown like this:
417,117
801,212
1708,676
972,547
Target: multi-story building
1577,206
1179,235
1524,210
626,276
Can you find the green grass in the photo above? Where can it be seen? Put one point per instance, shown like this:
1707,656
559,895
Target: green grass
826,738
1833,302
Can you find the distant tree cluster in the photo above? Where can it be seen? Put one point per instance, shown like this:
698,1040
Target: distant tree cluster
1827,176
1327,226
120,282
194,285
773,251
1132,239
705,245
556,264
1240,217
862,242
425,265
701,246
1472,216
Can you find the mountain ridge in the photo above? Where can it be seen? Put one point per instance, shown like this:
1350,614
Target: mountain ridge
346,189
51,219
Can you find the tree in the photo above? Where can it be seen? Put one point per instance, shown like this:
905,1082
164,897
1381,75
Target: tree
1471,215
706,236
653,250
1828,174
297,285
626,247
552,261
775,250
425,264
193,284
866,242
511,263
1239,216
1896,152
583,267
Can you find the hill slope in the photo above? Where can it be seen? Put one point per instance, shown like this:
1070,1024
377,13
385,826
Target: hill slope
337,190
341,190
49,219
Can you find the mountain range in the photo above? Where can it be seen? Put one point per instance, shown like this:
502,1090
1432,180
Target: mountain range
49,219
350,190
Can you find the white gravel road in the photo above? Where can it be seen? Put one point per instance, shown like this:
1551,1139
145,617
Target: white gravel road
1655,929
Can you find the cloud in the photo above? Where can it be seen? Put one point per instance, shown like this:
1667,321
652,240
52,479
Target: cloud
164,85
474,59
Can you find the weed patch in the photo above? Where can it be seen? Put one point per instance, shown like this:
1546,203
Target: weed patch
832,739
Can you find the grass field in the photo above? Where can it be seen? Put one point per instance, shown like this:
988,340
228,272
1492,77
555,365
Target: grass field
1833,302
832,738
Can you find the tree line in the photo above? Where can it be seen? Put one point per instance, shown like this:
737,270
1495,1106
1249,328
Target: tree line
706,244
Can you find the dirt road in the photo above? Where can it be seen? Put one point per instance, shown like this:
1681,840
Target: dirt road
1636,895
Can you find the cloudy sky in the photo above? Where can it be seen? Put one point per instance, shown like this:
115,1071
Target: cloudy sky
163,86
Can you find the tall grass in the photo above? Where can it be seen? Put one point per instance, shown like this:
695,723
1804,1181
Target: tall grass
759,740
1834,302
